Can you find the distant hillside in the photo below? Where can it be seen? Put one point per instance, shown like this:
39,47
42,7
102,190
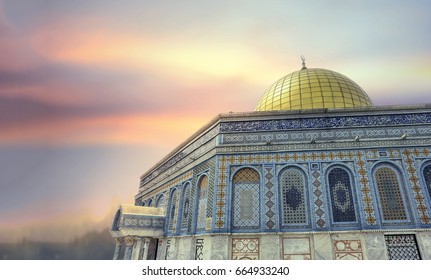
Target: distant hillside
91,246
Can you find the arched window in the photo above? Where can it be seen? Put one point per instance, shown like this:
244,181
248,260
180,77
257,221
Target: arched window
292,184
391,199
150,202
173,212
427,177
202,202
340,189
161,201
245,200
186,209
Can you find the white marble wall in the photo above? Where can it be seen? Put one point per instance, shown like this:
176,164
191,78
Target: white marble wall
316,246
424,241
375,248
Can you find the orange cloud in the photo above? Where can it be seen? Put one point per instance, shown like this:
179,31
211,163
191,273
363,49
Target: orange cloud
191,60
124,129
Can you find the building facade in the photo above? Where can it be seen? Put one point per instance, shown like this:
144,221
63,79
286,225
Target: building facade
316,172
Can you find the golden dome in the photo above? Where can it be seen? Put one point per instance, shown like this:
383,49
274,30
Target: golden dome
311,89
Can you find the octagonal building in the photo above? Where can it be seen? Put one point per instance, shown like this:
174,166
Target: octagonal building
315,172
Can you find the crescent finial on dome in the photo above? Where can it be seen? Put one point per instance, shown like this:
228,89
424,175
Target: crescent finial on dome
303,62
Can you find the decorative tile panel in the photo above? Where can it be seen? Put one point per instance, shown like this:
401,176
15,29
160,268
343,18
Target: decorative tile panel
340,188
195,149
367,200
326,122
246,206
221,193
174,182
356,160
292,184
421,207
245,248
199,252
402,247
348,250
168,251
270,199
319,210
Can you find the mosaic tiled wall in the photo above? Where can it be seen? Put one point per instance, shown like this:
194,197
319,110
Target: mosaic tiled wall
408,156
339,185
245,248
326,122
318,197
270,202
348,249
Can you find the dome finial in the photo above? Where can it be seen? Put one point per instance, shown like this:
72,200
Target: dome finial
303,62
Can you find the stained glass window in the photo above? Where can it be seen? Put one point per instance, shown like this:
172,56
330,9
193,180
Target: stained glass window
202,199
245,200
292,183
390,194
340,188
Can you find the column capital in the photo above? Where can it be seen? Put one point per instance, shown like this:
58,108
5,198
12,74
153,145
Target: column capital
130,240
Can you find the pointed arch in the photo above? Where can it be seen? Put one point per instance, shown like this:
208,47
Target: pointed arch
341,195
245,199
426,173
387,180
173,211
202,198
185,217
293,184
161,201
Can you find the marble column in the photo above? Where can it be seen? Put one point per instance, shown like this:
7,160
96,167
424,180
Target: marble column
129,247
144,250
117,248
136,249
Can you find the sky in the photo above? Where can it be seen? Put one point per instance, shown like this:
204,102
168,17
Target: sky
94,93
